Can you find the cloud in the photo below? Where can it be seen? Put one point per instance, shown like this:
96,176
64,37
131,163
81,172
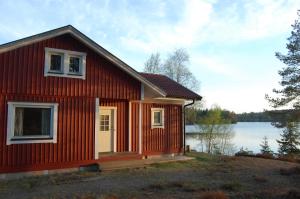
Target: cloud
205,22
216,64
153,25
256,19
245,98
168,35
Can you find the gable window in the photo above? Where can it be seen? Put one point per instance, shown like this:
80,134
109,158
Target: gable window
74,65
31,123
157,118
56,63
64,63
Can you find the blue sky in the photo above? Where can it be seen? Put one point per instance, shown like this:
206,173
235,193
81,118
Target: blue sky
231,43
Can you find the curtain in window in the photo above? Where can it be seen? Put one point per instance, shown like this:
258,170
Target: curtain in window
19,115
45,121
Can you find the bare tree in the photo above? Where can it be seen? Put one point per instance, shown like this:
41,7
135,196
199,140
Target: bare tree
153,64
176,68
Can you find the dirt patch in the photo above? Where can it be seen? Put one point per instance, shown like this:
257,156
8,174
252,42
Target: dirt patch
204,177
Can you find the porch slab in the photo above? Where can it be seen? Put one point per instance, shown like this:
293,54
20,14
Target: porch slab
124,164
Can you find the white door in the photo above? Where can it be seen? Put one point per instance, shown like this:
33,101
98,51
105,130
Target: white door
106,134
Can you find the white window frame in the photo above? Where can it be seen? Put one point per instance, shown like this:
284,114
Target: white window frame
65,70
11,139
162,111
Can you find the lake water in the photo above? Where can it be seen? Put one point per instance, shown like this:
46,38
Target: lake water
248,135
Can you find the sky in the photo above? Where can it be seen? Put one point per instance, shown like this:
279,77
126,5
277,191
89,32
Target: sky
231,44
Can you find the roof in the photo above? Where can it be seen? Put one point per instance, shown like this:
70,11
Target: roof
87,41
171,87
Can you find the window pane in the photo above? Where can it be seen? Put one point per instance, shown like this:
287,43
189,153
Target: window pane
101,128
55,64
157,117
32,121
74,64
104,122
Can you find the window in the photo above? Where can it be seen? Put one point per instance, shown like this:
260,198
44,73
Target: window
56,63
64,63
157,117
74,65
31,123
104,123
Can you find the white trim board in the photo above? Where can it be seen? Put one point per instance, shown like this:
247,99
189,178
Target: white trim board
97,120
129,127
162,111
65,54
32,139
140,127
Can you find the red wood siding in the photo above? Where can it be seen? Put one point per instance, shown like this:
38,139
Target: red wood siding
75,136
162,140
22,72
22,79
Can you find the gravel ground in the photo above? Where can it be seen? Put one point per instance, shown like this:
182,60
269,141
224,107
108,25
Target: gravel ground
237,177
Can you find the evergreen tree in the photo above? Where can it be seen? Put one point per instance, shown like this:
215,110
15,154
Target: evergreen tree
290,75
290,139
289,94
265,148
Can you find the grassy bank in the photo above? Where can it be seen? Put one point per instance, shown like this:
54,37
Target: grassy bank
205,177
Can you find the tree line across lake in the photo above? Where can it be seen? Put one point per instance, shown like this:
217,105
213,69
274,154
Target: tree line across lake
194,115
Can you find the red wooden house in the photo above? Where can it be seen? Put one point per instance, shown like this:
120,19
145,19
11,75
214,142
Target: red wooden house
65,101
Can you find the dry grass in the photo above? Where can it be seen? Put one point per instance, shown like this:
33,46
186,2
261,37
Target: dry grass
290,171
231,186
213,195
260,179
293,194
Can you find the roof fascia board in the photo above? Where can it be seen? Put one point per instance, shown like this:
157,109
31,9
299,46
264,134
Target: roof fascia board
33,39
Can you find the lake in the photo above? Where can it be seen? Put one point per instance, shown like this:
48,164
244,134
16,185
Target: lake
248,135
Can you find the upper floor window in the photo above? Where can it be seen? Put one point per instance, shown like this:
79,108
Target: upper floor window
56,63
74,65
65,63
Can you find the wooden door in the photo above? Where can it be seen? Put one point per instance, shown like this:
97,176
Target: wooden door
106,130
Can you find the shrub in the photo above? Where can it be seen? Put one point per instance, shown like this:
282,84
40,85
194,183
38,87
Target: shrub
265,155
244,152
290,158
